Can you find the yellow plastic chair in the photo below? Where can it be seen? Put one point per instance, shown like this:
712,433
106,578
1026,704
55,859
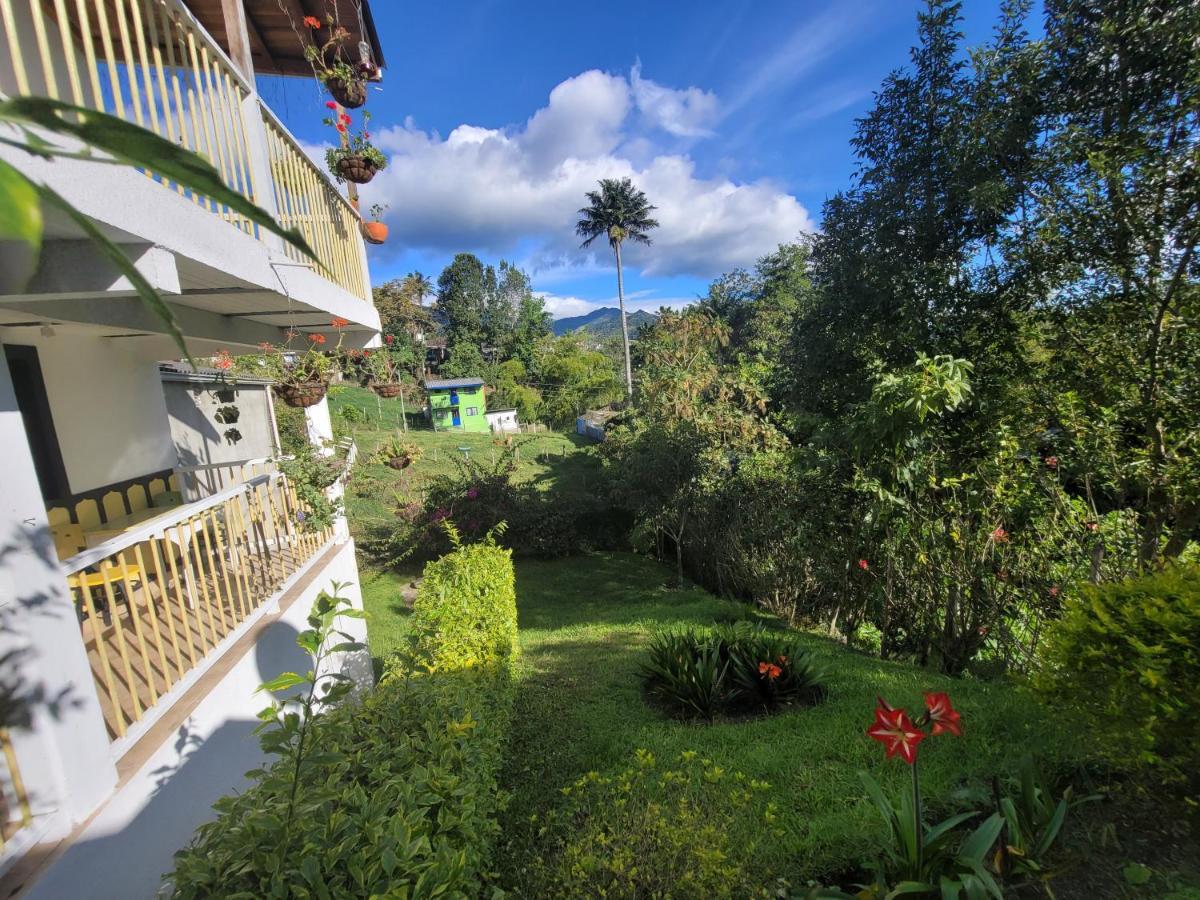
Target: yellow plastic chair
114,505
69,540
136,494
87,513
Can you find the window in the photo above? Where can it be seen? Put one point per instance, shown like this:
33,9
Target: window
472,410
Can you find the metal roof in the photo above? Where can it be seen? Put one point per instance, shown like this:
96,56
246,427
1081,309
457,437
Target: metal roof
439,384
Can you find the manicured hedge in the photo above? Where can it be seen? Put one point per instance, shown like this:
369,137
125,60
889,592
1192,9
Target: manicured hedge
401,801
1128,653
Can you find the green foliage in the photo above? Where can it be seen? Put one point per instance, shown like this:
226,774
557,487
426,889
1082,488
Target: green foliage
652,830
398,795
573,379
312,474
1128,655
731,669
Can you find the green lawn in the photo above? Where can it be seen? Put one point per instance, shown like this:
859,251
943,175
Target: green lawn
552,461
584,626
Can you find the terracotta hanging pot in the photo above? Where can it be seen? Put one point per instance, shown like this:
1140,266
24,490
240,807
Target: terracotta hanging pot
375,232
301,394
351,94
356,168
386,390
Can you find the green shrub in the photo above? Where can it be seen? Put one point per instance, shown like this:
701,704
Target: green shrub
652,830
400,797
731,669
1128,655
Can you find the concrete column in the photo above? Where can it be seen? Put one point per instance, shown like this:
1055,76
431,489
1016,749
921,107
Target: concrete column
62,745
319,427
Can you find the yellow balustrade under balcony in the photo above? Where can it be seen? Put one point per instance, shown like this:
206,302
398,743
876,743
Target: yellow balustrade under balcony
150,62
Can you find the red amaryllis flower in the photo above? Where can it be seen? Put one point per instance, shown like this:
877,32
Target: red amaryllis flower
771,670
312,21
895,730
1000,536
388,339
864,565
338,322
317,338
942,714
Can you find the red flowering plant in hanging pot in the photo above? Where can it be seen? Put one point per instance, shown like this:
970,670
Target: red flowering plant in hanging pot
355,158
302,365
926,859
345,80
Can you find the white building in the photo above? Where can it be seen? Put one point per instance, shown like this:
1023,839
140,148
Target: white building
502,421
135,626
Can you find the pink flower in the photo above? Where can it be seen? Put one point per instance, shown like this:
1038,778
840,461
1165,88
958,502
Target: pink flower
864,565
1052,462
472,493
1000,536
439,514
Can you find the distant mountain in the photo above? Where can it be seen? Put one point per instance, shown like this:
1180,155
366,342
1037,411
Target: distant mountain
604,322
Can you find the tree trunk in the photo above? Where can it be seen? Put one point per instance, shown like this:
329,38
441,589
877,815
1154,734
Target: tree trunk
624,323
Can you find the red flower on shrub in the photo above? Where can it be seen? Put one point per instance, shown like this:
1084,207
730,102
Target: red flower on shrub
1052,462
1000,536
312,22
943,715
388,339
864,565
1054,590
1093,526
771,670
896,731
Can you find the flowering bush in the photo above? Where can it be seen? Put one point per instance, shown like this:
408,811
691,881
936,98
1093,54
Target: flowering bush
302,358
655,829
733,669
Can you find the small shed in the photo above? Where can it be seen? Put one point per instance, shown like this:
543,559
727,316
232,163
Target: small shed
457,403
503,420
214,420
592,424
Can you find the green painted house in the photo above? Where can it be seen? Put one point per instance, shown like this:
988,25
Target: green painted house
457,403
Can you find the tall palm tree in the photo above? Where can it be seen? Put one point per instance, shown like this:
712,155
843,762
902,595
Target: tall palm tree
620,212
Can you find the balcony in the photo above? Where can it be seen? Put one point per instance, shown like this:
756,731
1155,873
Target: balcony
152,63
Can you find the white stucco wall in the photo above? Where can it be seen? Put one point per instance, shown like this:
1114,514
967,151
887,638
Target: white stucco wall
200,439
125,850
107,403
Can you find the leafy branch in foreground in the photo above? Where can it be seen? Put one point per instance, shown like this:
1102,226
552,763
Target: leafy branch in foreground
119,143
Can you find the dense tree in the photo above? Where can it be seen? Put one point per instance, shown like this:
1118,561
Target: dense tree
400,303
572,378
620,212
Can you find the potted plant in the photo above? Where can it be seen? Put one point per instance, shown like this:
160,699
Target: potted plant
376,230
383,371
346,81
302,372
397,453
357,159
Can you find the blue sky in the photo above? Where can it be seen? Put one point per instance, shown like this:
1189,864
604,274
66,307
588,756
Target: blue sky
734,117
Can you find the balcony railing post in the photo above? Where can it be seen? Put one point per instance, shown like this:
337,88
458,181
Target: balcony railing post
260,165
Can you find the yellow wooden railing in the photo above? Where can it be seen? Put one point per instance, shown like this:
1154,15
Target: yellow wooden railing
15,812
306,200
152,63
156,600
198,482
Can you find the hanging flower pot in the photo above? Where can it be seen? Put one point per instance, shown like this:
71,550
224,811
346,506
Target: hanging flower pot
387,390
349,92
355,168
301,394
375,232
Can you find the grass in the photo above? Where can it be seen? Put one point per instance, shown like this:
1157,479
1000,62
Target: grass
552,461
585,623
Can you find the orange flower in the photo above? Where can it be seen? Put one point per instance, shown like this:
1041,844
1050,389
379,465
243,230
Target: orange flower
312,22
339,323
317,338
771,670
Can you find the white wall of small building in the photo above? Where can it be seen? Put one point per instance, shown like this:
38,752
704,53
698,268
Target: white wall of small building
106,400
200,439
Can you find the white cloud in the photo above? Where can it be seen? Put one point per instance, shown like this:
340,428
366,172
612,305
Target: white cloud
685,113
561,307
516,191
